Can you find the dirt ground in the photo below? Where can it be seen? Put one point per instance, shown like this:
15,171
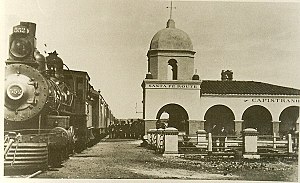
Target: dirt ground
125,159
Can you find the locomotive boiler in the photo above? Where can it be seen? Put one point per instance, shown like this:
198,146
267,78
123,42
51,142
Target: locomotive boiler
49,111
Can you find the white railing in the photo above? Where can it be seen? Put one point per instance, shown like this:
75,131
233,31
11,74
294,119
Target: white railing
249,143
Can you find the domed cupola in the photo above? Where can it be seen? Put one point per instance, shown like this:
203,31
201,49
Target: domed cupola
171,38
171,55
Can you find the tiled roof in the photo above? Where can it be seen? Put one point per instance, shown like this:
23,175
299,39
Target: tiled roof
245,87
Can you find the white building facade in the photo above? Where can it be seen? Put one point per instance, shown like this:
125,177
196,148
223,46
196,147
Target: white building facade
172,87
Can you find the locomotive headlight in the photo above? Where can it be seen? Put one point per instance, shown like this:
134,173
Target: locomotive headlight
15,91
20,48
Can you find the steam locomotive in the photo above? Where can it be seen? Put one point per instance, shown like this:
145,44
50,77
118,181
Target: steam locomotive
50,111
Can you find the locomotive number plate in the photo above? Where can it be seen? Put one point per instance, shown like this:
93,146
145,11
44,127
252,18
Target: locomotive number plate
15,92
21,29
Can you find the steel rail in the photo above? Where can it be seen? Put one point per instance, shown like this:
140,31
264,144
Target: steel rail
34,174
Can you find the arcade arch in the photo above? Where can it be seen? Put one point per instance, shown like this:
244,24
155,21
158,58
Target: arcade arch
288,118
221,116
258,117
178,117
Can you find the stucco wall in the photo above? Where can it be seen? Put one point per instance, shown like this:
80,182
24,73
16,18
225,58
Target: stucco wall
156,98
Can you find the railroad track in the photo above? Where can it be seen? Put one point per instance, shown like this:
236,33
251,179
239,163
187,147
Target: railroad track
25,176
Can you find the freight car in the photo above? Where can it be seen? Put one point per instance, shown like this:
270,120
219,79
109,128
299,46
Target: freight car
49,111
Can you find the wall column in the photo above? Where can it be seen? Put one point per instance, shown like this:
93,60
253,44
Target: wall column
276,127
202,122
238,126
194,125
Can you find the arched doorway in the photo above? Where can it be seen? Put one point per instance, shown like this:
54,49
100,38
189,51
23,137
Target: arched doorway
178,117
258,117
221,116
288,118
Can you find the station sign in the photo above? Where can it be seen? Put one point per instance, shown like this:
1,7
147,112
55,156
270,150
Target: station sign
174,86
273,100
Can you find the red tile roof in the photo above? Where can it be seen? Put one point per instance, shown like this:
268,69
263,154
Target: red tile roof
245,87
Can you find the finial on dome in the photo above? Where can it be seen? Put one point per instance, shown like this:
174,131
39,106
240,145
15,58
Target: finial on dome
171,23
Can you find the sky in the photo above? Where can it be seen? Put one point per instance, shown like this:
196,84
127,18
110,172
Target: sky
109,39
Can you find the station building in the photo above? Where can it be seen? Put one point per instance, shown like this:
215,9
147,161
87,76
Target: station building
172,90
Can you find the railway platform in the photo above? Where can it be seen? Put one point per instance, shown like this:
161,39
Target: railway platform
127,159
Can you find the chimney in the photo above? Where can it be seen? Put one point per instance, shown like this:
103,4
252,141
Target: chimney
227,75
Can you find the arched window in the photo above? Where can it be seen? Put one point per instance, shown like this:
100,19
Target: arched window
172,69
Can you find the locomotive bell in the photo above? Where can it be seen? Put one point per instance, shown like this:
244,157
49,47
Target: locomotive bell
41,60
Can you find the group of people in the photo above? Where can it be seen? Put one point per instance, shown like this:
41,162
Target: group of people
127,130
218,134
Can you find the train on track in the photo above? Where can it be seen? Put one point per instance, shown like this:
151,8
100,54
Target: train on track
50,111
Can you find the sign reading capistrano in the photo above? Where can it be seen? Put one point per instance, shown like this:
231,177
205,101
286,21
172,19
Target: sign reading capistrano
275,100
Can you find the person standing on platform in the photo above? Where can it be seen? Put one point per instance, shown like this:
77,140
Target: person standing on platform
126,130
214,133
223,134
113,131
117,131
109,131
